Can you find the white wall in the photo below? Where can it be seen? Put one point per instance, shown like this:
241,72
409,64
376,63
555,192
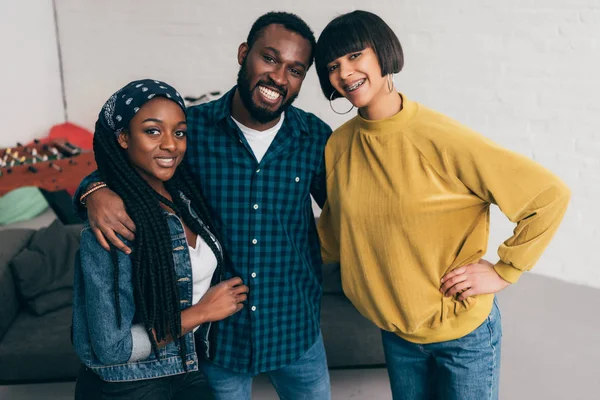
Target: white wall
522,72
31,99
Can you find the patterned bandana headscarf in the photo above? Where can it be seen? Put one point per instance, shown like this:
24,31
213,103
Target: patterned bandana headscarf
120,108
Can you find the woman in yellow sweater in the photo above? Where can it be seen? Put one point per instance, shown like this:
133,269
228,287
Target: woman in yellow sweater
409,192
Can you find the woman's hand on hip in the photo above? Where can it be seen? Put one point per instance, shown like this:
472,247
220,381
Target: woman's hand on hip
471,280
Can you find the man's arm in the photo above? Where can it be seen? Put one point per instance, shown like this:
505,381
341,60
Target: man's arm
318,188
89,180
330,245
106,213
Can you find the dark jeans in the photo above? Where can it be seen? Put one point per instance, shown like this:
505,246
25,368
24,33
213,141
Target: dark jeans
191,385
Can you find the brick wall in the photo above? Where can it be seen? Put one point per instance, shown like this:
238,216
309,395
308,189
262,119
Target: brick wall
30,91
524,73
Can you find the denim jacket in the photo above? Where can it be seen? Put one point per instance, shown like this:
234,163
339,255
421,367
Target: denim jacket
124,353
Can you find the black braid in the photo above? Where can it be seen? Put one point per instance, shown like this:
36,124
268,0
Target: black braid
154,279
183,182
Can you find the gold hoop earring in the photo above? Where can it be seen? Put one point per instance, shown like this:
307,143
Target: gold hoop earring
334,110
390,82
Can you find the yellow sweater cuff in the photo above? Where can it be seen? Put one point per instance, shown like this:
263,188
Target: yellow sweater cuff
507,272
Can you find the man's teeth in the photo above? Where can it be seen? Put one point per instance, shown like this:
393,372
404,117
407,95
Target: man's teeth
355,86
268,93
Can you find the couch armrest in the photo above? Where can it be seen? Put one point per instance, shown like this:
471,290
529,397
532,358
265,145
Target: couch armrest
11,243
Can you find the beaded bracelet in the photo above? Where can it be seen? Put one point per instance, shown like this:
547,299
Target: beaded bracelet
91,189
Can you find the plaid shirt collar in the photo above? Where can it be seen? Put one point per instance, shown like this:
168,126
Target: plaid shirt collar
293,123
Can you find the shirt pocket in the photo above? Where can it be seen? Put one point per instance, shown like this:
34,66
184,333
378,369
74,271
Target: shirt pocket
291,188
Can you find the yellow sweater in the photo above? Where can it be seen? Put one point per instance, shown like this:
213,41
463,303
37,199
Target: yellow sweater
408,201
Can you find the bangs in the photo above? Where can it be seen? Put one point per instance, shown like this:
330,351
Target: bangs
351,33
346,35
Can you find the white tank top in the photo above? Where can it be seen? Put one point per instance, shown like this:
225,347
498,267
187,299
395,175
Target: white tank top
204,264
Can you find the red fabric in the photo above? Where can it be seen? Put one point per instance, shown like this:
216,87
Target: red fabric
76,135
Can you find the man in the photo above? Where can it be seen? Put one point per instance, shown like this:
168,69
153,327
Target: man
257,160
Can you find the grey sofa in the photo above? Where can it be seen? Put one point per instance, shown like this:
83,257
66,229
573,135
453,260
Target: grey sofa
37,347
34,320
350,339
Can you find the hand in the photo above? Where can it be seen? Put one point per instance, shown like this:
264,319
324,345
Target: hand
471,280
107,216
223,300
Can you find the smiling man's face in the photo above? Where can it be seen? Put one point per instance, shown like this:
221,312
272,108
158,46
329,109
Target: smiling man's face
272,72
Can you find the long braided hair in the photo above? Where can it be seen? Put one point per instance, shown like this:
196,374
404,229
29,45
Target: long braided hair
156,294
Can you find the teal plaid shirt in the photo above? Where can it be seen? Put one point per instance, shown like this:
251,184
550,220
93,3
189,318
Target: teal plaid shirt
264,215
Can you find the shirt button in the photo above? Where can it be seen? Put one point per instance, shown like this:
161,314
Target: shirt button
258,170
297,179
253,275
241,141
256,206
254,241
253,308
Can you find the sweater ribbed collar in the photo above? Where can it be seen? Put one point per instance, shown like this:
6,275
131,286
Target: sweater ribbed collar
391,124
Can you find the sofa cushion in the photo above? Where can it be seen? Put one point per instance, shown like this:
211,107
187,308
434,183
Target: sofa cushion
38,348
350,339
51,301
11,242
332,279
43,270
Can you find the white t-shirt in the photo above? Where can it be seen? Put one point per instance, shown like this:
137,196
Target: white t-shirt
204,264
260,141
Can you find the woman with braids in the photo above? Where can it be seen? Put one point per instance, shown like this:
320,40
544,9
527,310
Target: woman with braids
139,319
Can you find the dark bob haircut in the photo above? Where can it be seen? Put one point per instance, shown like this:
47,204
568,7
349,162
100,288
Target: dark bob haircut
289,21
354,32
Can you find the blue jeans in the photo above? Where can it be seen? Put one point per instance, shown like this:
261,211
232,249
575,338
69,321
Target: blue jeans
467,368
304,379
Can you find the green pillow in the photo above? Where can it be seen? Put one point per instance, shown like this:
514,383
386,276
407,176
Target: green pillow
21,204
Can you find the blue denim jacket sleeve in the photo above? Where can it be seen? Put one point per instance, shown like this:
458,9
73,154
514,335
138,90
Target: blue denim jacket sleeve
111,343
80,210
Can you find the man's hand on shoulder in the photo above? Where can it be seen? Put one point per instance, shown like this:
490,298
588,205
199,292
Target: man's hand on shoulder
108,217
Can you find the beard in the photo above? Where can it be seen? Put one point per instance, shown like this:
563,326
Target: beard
259,112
